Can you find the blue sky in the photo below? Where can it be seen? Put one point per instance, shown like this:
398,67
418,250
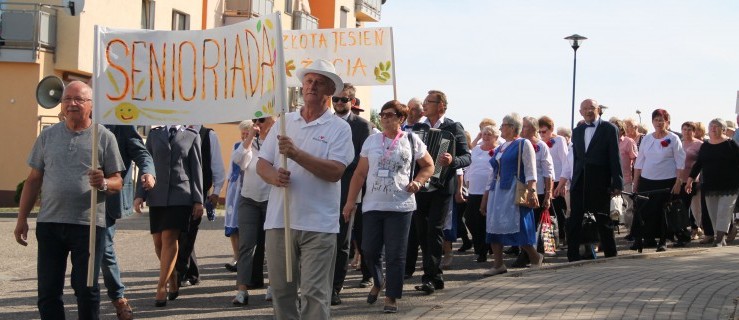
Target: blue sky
496,57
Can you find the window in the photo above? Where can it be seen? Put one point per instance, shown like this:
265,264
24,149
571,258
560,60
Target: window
288,6
180,20
344,17
147,14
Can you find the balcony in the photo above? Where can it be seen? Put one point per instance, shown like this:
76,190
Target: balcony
304,21
26,29
368,10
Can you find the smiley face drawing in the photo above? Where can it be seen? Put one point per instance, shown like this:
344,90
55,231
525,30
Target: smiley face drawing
126,112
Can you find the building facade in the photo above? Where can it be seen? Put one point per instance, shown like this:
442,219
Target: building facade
43,38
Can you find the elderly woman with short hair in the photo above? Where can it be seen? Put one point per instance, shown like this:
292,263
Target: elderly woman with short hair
477,176
507,222
718,164
658,165
691,145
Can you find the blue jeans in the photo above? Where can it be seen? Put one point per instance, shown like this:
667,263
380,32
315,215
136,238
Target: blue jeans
55,242
388,229
109,263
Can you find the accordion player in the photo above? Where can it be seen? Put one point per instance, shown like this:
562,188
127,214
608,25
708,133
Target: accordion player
437,143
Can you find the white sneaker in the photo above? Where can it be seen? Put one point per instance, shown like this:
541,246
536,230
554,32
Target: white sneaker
268,295
241,298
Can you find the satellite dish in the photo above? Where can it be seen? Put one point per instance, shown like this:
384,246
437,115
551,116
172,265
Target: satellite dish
74,7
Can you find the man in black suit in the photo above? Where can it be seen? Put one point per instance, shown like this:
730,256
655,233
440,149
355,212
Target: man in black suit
594,178
361,129
432,206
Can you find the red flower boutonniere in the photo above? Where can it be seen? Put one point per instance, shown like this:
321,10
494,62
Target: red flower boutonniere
665,142
550,143
491,152
536,148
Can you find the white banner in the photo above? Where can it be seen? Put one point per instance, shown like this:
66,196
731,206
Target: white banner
362,56
225,74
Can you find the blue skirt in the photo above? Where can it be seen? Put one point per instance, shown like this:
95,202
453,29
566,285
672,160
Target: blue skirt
526,235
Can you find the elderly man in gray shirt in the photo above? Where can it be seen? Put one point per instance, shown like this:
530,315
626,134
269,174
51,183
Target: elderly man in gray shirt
61,168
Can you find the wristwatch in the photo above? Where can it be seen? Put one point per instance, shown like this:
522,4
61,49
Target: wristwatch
105,185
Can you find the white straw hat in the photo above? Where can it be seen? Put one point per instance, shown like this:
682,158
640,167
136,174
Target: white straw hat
323,68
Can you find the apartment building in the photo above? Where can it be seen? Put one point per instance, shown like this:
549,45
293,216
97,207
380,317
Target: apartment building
43,38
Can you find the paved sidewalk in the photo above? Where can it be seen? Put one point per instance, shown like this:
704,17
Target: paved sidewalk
697,282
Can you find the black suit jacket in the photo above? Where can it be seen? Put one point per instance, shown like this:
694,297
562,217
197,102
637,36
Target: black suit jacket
596,172
462,156
361,129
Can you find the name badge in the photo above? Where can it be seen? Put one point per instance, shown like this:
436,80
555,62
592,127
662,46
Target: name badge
383,173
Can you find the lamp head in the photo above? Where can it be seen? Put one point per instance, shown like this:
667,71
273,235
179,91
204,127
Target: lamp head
575,40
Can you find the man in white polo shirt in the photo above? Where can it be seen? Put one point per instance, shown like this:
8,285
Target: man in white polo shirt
318,146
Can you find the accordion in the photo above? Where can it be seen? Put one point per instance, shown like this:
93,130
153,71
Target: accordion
437,143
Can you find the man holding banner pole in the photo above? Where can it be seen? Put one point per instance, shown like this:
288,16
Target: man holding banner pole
60,160
318,150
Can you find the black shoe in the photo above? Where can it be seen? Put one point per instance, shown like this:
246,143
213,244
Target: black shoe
466,245
629,237
335,300
679,244
661,248
482,258
230,267
521,261
173,295
160,303
438,285
426,287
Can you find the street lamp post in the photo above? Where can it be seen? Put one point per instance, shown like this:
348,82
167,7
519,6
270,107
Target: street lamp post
575,40
639,113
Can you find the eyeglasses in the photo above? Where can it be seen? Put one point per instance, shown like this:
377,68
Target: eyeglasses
76,100
342,99
431,101
260,120
543,131
388,114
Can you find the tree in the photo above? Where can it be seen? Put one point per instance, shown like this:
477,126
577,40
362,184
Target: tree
375,119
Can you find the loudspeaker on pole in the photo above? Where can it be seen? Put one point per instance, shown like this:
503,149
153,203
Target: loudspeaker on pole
49,91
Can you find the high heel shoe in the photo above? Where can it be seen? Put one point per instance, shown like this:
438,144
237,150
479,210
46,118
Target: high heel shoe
160,303
637,245
174,287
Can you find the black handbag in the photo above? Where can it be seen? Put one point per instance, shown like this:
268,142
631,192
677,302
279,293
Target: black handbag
589,233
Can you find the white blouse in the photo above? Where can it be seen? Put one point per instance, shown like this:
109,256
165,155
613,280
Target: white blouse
659,159
479,171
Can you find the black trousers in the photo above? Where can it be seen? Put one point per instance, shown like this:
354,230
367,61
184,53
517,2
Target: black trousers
476,223
342,249
187,263
411,253
432,209
558,209
574,223
357,237
651,212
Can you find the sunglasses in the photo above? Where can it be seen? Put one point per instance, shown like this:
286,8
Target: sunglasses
342,99
388,114
260,120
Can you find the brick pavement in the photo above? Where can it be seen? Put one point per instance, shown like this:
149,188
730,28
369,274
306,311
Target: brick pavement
691,284
549,293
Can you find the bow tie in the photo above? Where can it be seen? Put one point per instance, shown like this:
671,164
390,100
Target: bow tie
591,125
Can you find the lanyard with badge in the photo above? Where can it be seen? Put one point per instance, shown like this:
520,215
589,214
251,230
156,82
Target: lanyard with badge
384,172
